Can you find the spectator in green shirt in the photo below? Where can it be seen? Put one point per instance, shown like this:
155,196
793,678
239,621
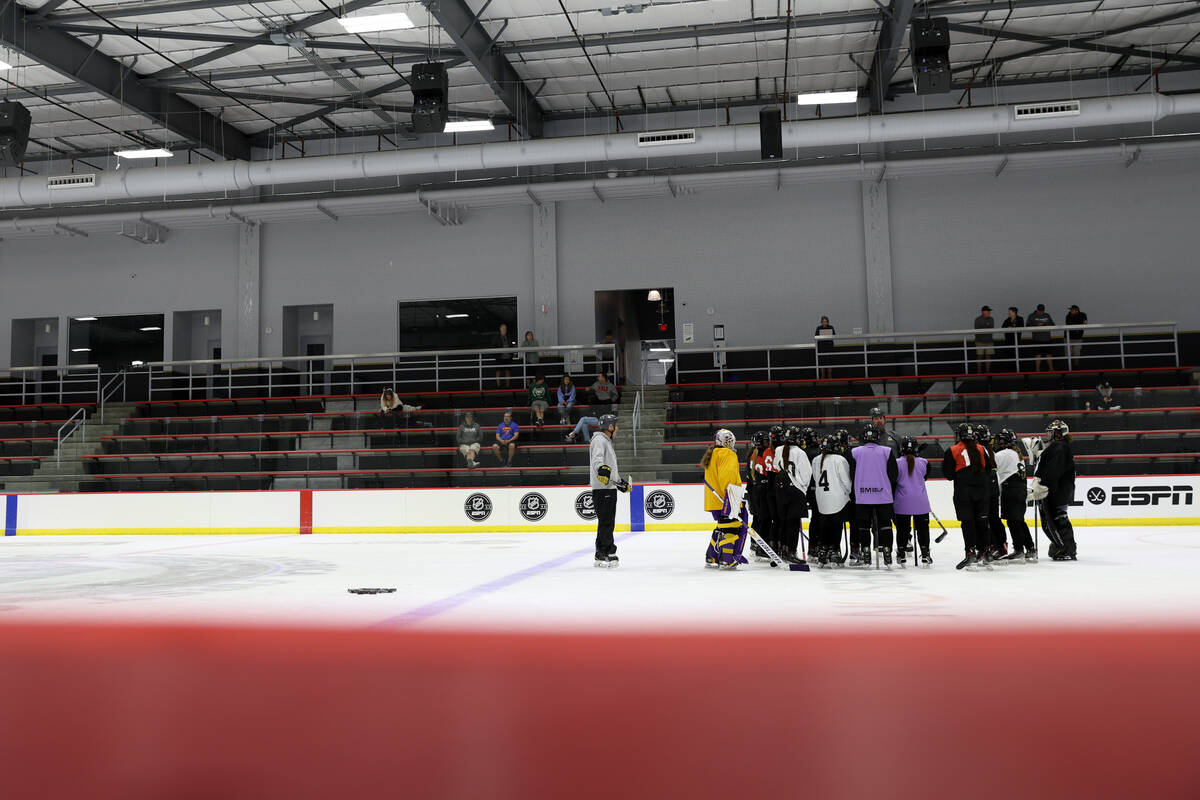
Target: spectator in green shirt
539,398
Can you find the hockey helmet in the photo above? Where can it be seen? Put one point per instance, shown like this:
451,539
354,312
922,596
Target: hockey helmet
877,413
869,435
725,438
760,439
965,432
776,434
1006,438
843,439
1057,429
983,434
791,434
608,421
808,438
908,445
829,444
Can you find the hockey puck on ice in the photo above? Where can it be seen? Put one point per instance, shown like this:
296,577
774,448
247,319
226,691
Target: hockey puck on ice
371,590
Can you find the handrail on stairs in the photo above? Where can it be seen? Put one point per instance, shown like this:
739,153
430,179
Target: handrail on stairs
637,419
106,393
77,421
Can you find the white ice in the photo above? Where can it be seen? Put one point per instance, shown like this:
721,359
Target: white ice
1124,576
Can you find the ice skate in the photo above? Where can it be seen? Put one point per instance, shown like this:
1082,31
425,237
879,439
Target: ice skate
1017,556
902,556
1031,556
856,558
606,561
885,555
970,563
731,565
926,559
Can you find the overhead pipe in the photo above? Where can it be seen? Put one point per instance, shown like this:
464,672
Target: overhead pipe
238,176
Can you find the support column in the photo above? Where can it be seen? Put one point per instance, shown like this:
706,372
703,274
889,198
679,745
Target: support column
545,273
249,296
877,241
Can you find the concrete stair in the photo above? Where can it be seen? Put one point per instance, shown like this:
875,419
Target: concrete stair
647,465
64,473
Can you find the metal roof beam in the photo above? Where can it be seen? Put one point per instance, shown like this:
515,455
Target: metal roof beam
887,52
1071,44
463,27
138,10
77,60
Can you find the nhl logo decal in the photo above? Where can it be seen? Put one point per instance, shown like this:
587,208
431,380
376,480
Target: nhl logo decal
533,506
478,507
1096,495
584,506
659,504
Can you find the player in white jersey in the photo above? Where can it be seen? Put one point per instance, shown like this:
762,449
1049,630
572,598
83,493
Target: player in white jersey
834,486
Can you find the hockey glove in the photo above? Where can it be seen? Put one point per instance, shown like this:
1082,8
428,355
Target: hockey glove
603,474
1037,490
622,485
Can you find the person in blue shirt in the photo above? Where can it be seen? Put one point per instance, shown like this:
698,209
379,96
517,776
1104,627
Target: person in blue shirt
507,433
566,400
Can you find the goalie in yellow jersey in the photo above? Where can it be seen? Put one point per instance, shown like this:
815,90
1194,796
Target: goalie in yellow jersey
723,496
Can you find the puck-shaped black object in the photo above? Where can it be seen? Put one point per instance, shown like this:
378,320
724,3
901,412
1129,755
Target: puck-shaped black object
371,590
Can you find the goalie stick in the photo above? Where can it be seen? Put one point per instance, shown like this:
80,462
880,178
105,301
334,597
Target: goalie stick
776,561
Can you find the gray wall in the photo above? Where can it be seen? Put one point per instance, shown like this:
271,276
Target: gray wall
1120,242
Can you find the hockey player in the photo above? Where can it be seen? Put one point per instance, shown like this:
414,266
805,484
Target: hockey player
771,495
1054,486
967,464
723,498
795,475
874,478
912,501
606,481
756,486
833,489
997,544
1010,469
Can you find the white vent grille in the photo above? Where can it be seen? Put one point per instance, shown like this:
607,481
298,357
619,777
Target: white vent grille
656,138
71,181
1060,108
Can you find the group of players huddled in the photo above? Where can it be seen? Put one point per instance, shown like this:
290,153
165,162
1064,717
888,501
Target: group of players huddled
793,470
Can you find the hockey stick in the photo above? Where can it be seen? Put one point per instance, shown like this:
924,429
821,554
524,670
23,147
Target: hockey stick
771,554
944,532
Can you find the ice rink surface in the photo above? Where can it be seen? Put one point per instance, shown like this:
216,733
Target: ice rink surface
546,581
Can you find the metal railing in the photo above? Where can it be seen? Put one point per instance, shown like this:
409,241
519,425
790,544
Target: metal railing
637,419
76,383
77,421
1056,347
423,371
108,390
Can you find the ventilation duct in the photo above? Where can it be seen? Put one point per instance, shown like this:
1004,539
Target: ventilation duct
237,176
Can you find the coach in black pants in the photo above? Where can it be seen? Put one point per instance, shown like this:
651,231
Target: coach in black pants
605,481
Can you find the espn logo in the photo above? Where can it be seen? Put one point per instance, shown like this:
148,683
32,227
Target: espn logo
1151,495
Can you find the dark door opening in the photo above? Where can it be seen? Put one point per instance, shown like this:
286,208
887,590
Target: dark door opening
116,342
637,321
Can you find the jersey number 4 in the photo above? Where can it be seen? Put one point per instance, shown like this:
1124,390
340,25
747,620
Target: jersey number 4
824,482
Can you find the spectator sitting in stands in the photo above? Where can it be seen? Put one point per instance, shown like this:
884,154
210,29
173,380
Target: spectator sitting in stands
507,433
530,344
391,407
603,392
1104,397
539,398
470,439
566,400
585,426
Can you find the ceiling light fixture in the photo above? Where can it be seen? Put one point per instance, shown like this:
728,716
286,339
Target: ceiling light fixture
826,98
654,296
368,23
151,328
5,65
81,349
148,152
86,319
468,125
457,316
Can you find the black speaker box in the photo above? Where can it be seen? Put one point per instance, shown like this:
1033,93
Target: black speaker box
14,132
929,42
431,104
930,33
770,133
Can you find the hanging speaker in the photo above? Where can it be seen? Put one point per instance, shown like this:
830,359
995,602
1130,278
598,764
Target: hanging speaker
929,41
431,97
770,133
14,132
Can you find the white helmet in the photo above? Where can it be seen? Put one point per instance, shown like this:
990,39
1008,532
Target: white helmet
725,438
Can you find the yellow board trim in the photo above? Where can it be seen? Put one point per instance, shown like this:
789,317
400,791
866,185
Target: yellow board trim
1104,523
154,531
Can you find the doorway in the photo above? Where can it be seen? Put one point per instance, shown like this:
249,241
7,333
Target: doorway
636,320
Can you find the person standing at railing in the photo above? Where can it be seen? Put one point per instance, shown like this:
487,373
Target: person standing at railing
501,340
1041,340
1013,320
1075,338
470,439
985,346
566,400
529,346
825,345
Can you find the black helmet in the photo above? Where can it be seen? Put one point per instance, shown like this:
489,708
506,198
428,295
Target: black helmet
983,434
869,435
791,434
829,444
877,412
1057,429
776,434
965,432
760,439
1006,438
909,445
607,420
808,438
843,439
